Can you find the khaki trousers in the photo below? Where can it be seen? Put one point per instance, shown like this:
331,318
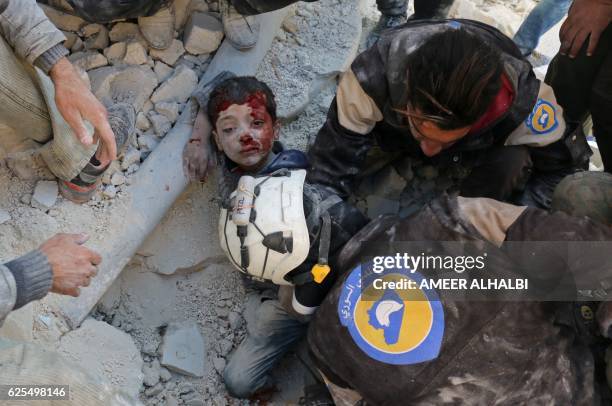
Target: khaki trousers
30,121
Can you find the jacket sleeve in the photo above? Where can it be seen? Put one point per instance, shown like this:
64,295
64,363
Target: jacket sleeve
26,28
23,280
341,145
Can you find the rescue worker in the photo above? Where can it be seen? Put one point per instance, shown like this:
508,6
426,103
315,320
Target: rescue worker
478,348
275,229
453,102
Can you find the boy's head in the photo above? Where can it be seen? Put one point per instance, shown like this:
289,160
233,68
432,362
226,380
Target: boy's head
242,112
452,80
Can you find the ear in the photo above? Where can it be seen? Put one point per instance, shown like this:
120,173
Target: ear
216,135
276,129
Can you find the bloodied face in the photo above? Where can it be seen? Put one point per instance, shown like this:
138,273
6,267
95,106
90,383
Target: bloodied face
245,132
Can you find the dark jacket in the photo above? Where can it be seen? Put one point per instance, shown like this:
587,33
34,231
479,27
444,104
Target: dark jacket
338,152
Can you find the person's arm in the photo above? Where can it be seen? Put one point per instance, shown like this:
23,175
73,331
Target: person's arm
34,38
586,19
61,265
198,154
341,145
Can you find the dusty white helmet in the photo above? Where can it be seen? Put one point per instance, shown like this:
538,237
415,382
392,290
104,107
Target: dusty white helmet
263,229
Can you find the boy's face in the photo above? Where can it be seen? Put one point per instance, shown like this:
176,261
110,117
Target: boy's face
245,132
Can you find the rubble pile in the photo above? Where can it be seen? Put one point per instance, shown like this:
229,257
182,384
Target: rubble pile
121,65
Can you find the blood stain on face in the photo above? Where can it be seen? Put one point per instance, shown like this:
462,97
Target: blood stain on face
245,132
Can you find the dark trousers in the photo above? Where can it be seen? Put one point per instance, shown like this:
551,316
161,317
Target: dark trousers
423,8
584,85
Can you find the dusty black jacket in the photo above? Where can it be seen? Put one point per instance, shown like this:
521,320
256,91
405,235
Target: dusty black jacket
364,112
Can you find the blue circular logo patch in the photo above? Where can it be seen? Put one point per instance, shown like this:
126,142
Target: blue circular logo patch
543,118
396,325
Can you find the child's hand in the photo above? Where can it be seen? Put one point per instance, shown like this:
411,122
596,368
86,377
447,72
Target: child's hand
198,157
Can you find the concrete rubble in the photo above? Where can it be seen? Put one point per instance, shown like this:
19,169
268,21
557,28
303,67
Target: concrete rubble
164,325
45,194
183,350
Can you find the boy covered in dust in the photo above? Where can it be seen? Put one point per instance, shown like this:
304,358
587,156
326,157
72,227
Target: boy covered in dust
245,129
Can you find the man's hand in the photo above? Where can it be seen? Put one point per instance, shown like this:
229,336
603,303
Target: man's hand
585,18
198,157
73,265
76,103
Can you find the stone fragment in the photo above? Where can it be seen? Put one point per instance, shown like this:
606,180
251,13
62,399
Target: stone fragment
71,38
203,34
164,374
110,192
45,194
181,10
118,179
61,20
183,349
78,45
162,71
96,36
26,199
199,6
289,25
132,156
115,52
147,143
185,387
235,320
126,32
169,55
132,168
88,60
4,216
161,124
178,87
151,373
154,391
105,352
135,54
219,364
168,110
142,122
171,400
132,84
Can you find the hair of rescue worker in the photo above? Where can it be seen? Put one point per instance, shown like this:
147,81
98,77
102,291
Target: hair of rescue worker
238,90
452,79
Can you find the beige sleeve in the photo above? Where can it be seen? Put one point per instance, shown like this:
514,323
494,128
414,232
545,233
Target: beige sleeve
357,111
490,217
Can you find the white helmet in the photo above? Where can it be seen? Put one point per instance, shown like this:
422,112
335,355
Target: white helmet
263,231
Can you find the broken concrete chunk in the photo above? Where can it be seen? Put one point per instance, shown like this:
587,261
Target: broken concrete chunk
169,55
62,20
219,364
132,156
178,87
154,391
110,192
162,71
135,54
151,373
148,142
105,352
168,110
289,25
88,60
133,84
45,194
115,52
118,179
142,122
183,349
126,32
4,216
97,36
203,34
164,375
78,45
161,124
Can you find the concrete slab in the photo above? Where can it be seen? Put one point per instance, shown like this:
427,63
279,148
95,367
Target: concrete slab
183,349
